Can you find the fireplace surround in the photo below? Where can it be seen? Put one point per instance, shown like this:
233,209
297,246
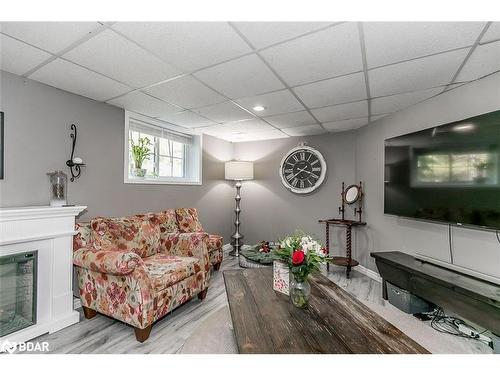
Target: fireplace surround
36,271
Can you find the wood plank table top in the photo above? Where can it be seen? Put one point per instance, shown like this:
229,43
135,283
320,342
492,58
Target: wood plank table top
265,321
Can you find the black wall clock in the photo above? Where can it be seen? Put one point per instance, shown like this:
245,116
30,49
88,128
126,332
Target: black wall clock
302,169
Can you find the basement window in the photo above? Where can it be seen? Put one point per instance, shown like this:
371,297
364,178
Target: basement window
157,152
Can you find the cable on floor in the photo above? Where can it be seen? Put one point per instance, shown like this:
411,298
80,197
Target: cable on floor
449,324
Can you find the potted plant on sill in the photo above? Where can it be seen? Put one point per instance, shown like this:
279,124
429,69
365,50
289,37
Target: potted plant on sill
303,255
140,152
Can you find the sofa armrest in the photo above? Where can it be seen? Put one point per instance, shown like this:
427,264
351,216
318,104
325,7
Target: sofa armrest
187,245
110,261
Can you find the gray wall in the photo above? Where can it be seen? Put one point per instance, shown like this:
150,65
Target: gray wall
474,249
37,141
37,121
270,211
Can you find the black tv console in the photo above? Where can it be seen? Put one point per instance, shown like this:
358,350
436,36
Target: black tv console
469,297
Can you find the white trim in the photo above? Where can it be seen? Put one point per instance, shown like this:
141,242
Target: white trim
38,212
160,182
321,177
467,271
368,272
197,138
38,238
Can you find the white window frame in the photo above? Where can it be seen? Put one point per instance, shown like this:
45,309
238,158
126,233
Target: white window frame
193,161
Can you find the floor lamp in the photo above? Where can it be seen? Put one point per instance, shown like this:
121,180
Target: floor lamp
238,171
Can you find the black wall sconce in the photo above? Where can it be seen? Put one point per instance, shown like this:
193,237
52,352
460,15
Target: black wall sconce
74,163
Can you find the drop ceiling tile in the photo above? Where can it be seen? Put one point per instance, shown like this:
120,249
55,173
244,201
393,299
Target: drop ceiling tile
264,136
290,120
73,78
274,103
324,54
342,112
187,119
455,85
246,76
484,60
417,74
215,130
186,92
110,54
493,33
246,137
339,126
244,131
378,117
338,90
304,130
224,112
18,57
250,126
393,103
50,36
262,34
144,104
186,45
390,42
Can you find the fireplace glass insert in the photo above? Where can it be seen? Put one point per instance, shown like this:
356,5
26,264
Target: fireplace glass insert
17,292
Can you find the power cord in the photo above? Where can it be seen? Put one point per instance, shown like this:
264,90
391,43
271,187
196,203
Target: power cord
452,326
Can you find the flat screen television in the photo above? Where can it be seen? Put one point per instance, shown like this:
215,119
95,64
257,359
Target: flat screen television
449,173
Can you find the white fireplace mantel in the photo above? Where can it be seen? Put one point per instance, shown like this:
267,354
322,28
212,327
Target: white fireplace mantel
49,231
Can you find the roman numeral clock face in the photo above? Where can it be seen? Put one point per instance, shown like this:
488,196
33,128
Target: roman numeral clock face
302,170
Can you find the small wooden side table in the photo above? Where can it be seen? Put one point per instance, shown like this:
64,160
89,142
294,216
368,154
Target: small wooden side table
346,261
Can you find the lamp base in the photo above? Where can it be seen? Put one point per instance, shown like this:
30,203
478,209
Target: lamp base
237,236
236,243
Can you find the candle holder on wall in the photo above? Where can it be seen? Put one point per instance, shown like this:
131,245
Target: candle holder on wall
75,164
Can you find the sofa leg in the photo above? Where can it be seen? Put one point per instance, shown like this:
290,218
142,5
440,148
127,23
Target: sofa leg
142,334
217,266
89,313
202,294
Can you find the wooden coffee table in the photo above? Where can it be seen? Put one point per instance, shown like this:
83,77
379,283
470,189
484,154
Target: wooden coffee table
265,321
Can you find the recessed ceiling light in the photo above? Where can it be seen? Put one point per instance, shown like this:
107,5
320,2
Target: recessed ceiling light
259,108
464,127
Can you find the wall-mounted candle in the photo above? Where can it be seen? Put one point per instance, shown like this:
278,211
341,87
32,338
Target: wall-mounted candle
77,160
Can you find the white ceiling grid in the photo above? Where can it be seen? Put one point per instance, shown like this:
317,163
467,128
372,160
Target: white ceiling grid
311,77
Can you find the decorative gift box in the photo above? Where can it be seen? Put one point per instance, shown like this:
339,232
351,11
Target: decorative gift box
281,277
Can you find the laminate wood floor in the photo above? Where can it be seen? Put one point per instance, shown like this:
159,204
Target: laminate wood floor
102,335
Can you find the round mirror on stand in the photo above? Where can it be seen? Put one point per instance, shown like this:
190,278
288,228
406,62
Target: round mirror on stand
352,194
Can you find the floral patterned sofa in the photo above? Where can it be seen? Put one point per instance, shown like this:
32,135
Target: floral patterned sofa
139,268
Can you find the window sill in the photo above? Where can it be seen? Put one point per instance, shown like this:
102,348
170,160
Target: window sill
160,182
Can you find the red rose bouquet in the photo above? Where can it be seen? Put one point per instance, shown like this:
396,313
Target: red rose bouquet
303,255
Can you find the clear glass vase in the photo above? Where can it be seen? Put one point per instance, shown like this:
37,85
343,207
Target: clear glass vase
300,290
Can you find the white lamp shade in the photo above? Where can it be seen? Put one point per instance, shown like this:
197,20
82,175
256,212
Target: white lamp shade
239,170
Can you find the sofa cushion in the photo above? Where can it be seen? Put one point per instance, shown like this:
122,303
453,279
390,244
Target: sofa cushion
82,238
165,270
138,234
167,221
187,220
214,242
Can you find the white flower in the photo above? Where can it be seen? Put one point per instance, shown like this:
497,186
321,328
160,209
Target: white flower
318,250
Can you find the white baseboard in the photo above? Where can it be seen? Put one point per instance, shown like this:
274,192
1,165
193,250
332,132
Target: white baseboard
368,272
76,303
